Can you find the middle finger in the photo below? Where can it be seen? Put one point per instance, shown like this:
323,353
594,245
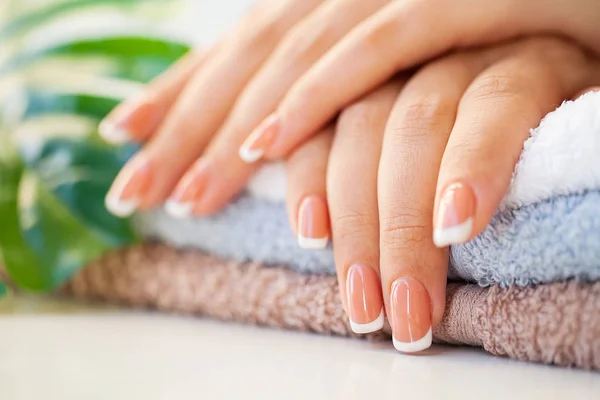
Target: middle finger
413,270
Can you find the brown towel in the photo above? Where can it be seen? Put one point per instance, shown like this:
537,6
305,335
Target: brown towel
554,324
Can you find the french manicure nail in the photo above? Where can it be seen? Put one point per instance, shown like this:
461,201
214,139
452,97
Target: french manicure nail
313,223
365,302
112,133
411,316
260,140
131,116
188,191
454,220
125,194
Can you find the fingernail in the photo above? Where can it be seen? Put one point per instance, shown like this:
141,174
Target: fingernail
411,316
260,139
313,223
188,191
131,116
454,220
125,194
365,301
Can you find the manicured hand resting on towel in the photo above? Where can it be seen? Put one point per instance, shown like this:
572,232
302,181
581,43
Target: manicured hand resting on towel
507,88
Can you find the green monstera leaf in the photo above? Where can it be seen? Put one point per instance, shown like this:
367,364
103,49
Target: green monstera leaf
16,255
47,102
52,211
134,58
52,186
3,289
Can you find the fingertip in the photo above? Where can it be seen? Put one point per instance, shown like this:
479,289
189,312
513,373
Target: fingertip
313,223
368,327
127,192
120,207
458,234
260,140
411,315
312,243
112,133
177,209
363,298
414,347
453,223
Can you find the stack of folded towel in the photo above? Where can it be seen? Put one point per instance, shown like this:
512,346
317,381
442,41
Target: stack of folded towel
528,287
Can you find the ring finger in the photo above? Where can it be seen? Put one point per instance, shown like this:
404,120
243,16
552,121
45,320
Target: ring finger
352,196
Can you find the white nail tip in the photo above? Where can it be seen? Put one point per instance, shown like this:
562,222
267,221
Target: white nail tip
413,347
372,326
121,208
112,134
453,235
178,210
250,156
311,243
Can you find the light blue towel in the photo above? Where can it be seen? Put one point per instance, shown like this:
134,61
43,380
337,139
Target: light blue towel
545,242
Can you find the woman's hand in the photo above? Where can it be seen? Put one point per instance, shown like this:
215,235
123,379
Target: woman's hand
402,35
307,59
193,119
428,157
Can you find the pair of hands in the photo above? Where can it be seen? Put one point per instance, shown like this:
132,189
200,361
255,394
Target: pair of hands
444,140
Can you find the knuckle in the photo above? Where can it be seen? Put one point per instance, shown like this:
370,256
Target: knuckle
493,87
356,119
353,224
421,115
403,231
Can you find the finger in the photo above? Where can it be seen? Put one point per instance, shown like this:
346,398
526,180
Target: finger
301,47
352,194
400,36
496,114
306,191
205,102
137,118
298,52
413,270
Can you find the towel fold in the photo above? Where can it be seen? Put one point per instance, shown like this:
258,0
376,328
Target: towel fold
554,323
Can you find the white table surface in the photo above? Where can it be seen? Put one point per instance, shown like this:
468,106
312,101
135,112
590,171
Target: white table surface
54,350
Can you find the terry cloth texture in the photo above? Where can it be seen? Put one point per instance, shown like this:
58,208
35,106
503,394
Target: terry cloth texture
511,249
555,323
547,228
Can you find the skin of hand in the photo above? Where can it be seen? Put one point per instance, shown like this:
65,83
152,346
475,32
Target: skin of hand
194,118
294,64
426,156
